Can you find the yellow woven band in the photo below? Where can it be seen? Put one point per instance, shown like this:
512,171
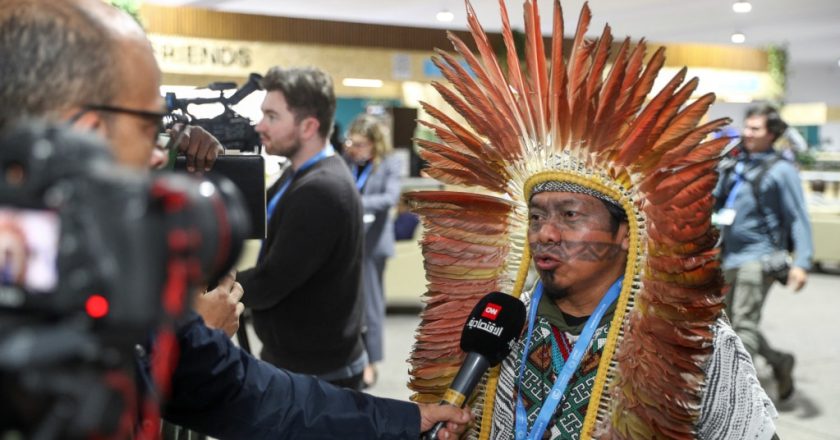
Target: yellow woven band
454,397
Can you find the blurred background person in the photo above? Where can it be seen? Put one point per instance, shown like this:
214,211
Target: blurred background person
377,171
760,209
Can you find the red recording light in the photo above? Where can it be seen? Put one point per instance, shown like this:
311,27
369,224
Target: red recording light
96,306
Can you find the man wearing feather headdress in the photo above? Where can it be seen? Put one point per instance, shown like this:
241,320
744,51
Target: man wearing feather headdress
579,241
609,198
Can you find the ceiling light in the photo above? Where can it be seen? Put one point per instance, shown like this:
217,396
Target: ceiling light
838,63
361,82
742,7
445,16
738,37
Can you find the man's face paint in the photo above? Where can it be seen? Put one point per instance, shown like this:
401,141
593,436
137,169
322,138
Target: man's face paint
572,241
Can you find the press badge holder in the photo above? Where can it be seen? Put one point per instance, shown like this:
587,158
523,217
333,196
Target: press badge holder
724,217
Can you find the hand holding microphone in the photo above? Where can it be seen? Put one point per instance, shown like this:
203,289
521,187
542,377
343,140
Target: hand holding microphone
487,338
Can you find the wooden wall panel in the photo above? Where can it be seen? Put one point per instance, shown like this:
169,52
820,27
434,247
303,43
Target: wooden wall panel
192,22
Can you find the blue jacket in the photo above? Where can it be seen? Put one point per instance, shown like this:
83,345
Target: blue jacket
221,391
782,205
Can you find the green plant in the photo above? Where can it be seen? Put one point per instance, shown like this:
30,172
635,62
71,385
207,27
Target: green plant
777,64
806,159
130,7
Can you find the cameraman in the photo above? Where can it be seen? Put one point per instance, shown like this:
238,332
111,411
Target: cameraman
84,62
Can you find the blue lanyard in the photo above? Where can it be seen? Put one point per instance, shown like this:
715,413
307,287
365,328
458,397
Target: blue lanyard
739,181
559,388
272,205
362,178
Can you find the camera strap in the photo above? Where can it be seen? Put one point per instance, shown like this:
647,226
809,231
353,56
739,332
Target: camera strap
739,181
781,243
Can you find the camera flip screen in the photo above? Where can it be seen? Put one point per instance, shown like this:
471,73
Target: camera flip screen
28,249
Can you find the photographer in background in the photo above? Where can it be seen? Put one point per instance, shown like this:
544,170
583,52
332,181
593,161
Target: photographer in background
86,63
760,208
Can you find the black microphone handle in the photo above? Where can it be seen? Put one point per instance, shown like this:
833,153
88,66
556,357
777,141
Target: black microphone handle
465,381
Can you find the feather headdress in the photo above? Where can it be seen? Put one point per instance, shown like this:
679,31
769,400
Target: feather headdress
570,117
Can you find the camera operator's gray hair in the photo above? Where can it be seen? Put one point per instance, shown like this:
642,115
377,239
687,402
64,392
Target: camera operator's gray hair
308,92
55,55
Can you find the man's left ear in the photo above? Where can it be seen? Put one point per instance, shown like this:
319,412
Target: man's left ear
309,127
624,230
87,121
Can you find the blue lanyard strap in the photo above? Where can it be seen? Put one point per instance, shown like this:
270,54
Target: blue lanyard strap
559,388
272,205
362,178
739,181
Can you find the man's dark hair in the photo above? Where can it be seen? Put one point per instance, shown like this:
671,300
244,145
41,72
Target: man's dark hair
55,55
775,125
308,92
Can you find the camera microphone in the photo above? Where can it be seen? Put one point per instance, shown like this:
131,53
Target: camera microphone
488,335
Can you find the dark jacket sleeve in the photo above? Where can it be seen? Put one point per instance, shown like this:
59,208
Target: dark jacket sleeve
221,391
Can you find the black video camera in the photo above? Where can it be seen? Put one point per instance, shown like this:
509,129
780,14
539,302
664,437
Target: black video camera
93,258
233,130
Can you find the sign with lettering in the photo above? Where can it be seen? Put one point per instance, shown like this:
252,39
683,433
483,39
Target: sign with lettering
204,56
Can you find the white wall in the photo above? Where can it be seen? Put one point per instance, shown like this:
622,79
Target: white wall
830,136
806,84
814,83
732,110
817,83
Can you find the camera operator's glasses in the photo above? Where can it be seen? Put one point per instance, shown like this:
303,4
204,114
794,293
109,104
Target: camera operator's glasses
154,117
350,144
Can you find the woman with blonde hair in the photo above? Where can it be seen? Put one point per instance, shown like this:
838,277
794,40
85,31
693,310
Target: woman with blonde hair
369,153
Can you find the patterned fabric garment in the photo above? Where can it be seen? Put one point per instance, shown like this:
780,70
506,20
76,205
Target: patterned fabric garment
549,349
734,405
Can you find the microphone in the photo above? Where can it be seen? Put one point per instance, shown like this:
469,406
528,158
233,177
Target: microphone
487,338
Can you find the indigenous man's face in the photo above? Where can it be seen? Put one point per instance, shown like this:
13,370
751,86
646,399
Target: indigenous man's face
572,242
